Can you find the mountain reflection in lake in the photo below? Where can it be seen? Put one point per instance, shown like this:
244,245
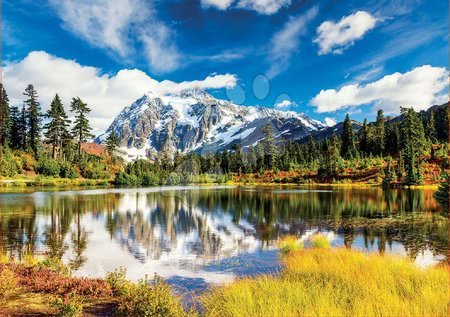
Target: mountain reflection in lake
199,235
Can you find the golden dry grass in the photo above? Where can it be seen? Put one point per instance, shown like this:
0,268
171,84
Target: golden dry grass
336,282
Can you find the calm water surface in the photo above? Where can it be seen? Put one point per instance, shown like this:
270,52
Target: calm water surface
197,236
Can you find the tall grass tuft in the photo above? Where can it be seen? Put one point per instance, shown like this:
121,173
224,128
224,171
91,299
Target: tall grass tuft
289,244
336,282
320,241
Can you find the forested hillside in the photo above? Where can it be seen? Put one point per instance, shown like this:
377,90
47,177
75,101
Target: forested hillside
410,149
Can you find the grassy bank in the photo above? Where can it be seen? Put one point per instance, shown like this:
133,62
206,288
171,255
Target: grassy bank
317,281
42,181
339,282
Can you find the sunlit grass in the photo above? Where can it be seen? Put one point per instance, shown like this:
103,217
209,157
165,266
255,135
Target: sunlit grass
336,282
320,241
289,244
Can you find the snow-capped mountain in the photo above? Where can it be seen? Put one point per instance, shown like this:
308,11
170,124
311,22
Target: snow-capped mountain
193,120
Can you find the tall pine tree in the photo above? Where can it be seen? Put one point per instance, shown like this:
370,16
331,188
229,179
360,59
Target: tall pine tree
81,129
58,128
363,138
270,149
112,142
379,133
5,121
348,150
33,112
431,128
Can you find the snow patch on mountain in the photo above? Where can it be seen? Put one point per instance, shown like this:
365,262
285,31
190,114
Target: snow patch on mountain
193,120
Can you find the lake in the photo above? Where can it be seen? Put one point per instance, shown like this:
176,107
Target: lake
197,236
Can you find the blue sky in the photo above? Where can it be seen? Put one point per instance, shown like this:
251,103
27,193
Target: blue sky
327,57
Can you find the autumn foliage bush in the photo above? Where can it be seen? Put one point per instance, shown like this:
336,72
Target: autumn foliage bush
42,279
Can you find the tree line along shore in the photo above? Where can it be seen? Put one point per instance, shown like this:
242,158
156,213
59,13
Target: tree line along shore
47,149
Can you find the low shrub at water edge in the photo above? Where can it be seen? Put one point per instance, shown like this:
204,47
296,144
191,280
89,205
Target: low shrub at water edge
69,305
144,298
336,282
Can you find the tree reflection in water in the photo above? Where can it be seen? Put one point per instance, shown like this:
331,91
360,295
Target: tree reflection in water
218,223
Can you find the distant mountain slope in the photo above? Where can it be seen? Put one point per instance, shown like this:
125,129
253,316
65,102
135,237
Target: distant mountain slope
193,120
328,132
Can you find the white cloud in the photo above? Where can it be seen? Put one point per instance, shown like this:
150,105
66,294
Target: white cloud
267,7
336,37
106,94
115,25
219,4
284,104
419,88
329,121
286,42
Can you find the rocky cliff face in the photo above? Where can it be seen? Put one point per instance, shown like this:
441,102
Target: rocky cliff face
193,120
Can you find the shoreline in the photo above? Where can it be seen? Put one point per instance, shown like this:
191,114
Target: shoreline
45,182
47,287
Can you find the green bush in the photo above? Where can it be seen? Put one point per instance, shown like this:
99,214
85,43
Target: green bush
48,167
71,305
174,179
55,264
67,170
150,179
124,179
148,299
94,170
117,281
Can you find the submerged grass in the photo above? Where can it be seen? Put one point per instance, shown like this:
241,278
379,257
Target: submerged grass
336,282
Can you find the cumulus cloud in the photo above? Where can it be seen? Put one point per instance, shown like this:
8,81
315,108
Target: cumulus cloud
106,94
218,4
284,104
329,121
114,25
266,7
419,88
285,43
336,37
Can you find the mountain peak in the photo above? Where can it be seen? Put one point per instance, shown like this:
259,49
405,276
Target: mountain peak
193,120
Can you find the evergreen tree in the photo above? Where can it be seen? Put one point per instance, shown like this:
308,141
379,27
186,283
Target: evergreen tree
112,142
81,129
363,138
15,140
392,140
379,133
412,175
270,149
237,161
389,173
33,112
412,135
400,166
348,150
431,128
5,119
443,123
312,153
58,127
23,129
